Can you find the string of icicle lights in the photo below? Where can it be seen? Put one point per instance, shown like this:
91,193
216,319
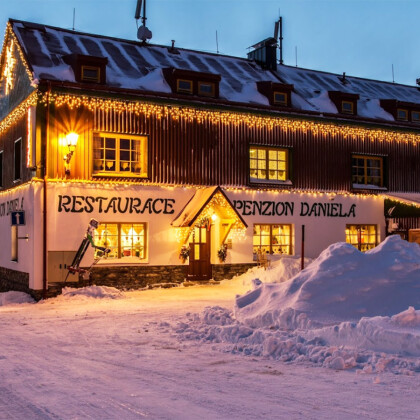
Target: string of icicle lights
226,117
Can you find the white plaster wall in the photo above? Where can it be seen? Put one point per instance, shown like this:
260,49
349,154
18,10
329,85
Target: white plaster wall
66,229
26,254
320,231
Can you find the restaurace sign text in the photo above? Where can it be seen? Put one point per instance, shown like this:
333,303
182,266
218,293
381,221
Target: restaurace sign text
88,204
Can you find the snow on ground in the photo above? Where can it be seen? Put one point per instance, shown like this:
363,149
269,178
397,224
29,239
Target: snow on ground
276,343
13,297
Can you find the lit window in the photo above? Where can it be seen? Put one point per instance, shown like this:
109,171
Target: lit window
91,74
367,170
1,169
272,239
280,98
17,168
402,114
363,237
268,164
415,116
205,89
120,155
123,239
14,244
347,107
184,86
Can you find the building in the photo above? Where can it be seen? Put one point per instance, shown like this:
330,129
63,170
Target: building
195,164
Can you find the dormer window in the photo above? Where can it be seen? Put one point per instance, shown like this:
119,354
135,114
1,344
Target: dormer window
402,111
402,114
346,103
184,86
87,68
90,74
278,94
192,82
205,89
280,98
415,116
347,107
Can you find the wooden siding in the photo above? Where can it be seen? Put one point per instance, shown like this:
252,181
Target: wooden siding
7,143
209,153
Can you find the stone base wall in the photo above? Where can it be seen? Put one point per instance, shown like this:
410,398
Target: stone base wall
13,280
228,271
120,277
137,277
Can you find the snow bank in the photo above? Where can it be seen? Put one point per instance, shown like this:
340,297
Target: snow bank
346,310
281,270
98,292
12,298
342,284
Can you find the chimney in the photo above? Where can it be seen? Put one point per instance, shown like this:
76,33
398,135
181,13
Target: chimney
265,54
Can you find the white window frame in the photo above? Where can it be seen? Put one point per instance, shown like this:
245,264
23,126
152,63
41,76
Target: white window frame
118,136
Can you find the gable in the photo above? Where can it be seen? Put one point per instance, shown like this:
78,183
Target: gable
15,81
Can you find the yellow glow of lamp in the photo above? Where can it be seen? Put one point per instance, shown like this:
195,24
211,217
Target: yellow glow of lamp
71,140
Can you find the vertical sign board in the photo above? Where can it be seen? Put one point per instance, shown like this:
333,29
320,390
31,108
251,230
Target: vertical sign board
18,218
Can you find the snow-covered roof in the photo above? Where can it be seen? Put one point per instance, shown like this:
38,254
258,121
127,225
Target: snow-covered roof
313,86
194,206
198,202
134,65
137,66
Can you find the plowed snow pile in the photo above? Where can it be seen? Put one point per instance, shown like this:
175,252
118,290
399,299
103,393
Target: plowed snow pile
345,310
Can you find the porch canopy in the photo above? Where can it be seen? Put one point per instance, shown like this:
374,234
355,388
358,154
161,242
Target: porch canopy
204,205
411,199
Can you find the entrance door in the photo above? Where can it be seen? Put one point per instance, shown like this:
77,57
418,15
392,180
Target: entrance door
200,267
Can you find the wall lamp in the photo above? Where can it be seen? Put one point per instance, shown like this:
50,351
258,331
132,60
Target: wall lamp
71,141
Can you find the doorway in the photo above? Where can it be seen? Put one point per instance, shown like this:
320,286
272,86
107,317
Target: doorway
199,262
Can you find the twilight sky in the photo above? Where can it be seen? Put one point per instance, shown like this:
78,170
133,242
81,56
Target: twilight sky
361,37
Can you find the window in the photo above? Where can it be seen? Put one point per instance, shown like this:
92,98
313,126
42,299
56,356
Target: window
18,160
1,169
367,170
402,114
91,74
206,89
184,86
14,243
363,237
415,116
268,164
125,240
280,98
120,155
347,107
272,239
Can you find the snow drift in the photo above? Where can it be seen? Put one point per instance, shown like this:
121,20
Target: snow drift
345,310
12,298
342,284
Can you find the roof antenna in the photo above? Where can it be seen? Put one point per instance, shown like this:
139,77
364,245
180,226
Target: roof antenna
393,80
217,43
296,55
143,33
278,35
74,16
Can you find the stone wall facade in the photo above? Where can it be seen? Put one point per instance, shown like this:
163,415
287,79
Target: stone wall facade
120,277
228,271
13,280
